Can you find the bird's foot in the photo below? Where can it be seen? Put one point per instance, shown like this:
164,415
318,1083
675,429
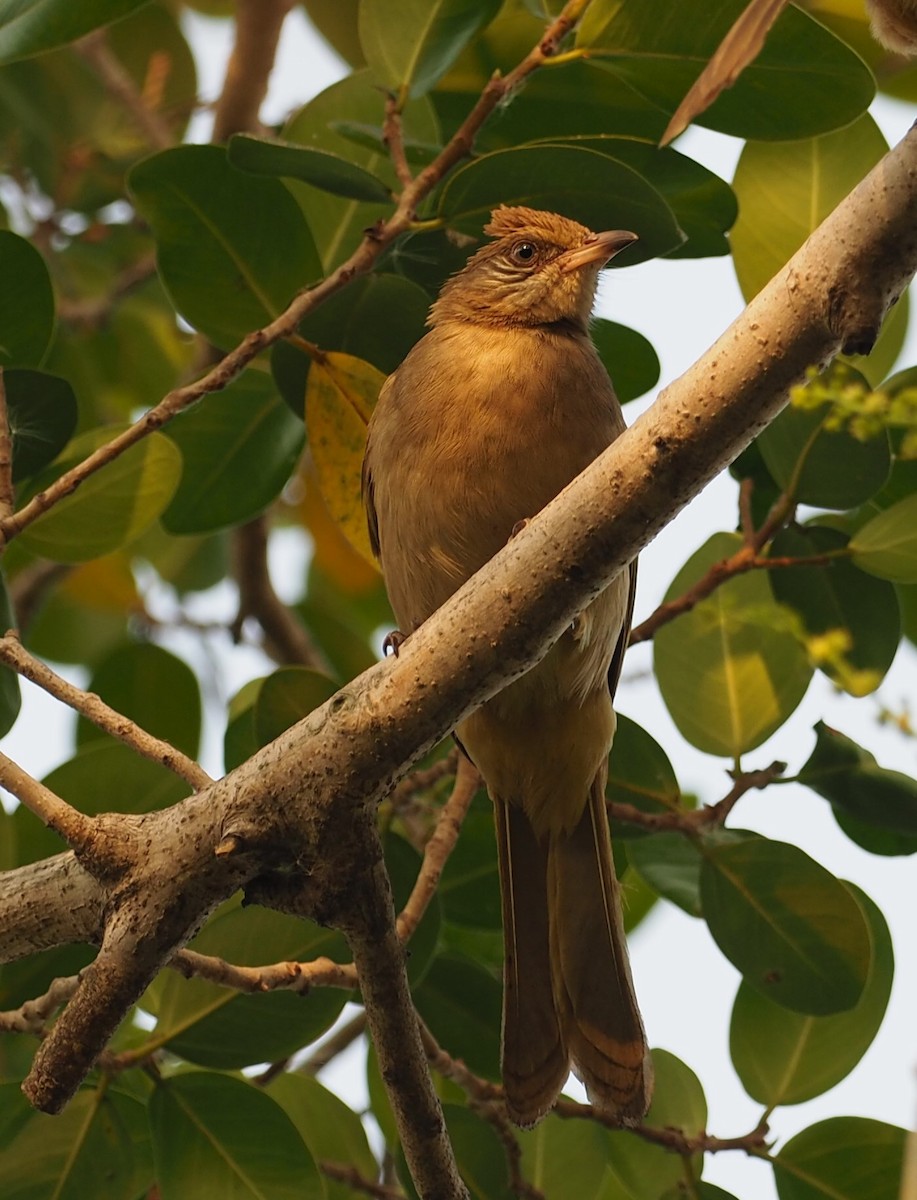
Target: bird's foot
518,527
393,642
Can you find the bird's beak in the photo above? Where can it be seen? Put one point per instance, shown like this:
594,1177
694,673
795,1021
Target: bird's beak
598,249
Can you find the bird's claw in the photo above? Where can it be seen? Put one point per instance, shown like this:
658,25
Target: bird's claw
392,643
518,527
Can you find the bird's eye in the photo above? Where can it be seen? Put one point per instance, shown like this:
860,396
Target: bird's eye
524,252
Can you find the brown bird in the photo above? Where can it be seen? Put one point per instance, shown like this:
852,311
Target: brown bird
491,414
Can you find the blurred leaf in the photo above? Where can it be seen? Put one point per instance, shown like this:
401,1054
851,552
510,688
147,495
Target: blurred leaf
152,687
838,596
60,1156
460,1002
226,273
239,448
42,415
805,80
403,864
823,467
110,508
565,1158
332,1131
410,44
671,864
340,396
86,615
285,697
786,190
26,310
639,772
31,26
794,931
221,1028
859,789
628,356
217,1136
336,21
321,169
645,1170
239,740
887,545
470,885
731,670
783,1057
10,699
843,1158
579,183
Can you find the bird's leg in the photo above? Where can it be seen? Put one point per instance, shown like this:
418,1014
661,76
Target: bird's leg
393,642
518,527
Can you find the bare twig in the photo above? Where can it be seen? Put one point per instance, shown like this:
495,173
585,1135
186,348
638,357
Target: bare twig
281,976
77,830
334,1045
691,822
6,454
32,1016
30,586
359,1183
14,655
258,25
98,53
93,310
393,136
671,1139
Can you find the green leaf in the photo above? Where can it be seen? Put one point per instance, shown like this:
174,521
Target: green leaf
644,1170
321,169
461,1004
831,469
410,44
838,596
62,1156
340,396
479,1153
32,26
332,1131
804,81
217,1136
860,791
639,773
226,273
153,688
785,191
239,448
579,183
42,414
10,699
843,1158
794,931
671,865
112,507
26,309
887,545
783,1057
285,697
731,670
565,1158
628,356
470,885
336,223
218,1027
403,864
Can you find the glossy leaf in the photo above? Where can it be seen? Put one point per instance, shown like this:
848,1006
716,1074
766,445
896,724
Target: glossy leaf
42,414
887,545
830,469
731,670
838,596
410,44
671,865
285,697
321,169
639,772
794,931
214,1135
644,1170
784,1057
10,699
113,506
221,1028
579,183
26,309
340,396
628,356
843,1158
239,448
152,687
460,1002
805,81
565,1158
332,1131
32,26
226,273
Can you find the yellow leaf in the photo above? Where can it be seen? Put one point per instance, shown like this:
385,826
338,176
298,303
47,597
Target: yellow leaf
104,583
340,395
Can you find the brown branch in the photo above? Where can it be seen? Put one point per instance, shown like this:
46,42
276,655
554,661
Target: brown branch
334,1045
280,976
359,1183
286,639
691,821
258,25
438,848
32,1016
6,454
77,830
93,310
360,262
393,137
94,48
14,655
30,586
671,1139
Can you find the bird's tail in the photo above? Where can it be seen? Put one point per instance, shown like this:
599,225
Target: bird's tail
567,990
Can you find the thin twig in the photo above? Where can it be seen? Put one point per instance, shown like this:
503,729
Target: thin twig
77,830
334,1045
671,1139
95,49
6,454
32,1016
14,655
691,821
93,310
280,976
393,136
359,1183
30,586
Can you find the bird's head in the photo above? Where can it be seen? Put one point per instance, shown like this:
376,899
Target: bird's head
542,269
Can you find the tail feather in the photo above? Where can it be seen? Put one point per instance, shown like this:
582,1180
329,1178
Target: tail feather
535,1058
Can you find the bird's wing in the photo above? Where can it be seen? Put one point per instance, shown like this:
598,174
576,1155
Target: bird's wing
617,659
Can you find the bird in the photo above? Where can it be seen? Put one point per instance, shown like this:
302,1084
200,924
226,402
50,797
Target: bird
491,414
894,24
